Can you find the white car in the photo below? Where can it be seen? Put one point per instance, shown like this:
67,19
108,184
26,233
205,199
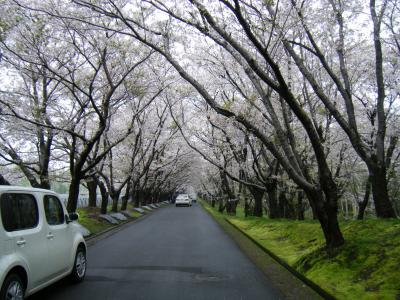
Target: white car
183,199
39,242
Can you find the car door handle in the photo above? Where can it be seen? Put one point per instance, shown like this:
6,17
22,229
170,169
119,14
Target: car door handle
50,236
21,242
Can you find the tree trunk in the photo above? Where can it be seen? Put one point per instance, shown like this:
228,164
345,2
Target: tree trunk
73,194
44,183
228,207
104,197
227,191
282,203
44,170
92,188
146,197
221,206
289,207
137,198
115,198
383,206
257,212
274,211
124,202
326,210
246,207
258,196
363,205
272,200
125,198
377,168
231,205
300,205
143,197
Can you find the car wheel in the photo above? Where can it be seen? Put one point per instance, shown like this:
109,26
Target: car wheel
79,270
13,288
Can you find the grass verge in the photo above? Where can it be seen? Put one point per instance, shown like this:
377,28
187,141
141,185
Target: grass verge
366,267
89,218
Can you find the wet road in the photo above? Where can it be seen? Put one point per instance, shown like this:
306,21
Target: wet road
174,253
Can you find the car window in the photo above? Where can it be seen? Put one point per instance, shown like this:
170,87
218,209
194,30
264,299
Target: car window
53,210
18,211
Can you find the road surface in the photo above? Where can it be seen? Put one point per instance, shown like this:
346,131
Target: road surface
174,253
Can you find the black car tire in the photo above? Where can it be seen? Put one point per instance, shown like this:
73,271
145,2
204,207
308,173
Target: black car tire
79,271
12,286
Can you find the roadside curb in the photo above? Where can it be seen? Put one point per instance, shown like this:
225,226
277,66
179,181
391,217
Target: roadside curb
92,239
300,276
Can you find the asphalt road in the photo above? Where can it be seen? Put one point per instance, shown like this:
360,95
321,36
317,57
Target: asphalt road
174,253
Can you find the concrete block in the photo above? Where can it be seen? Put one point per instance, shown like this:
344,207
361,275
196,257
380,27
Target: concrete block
109,219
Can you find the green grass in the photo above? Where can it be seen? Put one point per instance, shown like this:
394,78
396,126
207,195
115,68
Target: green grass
88,217
134,213
366,267
129,208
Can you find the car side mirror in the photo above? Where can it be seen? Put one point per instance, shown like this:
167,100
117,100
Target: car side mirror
72,217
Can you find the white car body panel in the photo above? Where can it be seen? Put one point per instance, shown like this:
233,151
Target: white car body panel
46,252
59,247
32,253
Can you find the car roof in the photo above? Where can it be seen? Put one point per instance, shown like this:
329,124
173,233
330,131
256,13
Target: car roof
15,188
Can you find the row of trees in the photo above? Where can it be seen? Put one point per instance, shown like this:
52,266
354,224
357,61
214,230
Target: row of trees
294,102
86,107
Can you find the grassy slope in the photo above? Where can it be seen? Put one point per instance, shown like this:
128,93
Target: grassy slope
366,267
88,217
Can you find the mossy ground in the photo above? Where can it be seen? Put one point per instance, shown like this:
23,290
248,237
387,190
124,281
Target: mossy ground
89,218
366,267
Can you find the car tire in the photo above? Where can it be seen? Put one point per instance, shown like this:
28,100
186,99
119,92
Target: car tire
79,270
13,288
